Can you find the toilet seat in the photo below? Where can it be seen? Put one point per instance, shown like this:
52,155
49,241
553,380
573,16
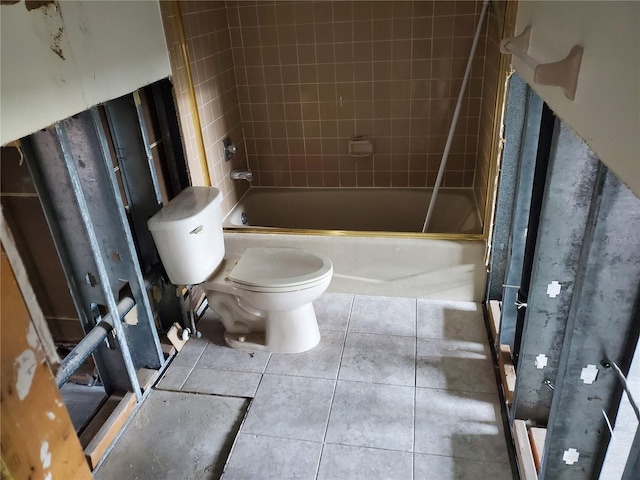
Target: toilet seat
279,269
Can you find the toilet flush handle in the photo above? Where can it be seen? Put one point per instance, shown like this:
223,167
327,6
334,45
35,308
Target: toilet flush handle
197,229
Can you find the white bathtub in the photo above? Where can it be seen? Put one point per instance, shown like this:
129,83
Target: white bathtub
356,209
447,267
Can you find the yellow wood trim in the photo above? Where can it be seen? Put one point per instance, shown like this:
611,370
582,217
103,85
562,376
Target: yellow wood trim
523,451
37,436
537,436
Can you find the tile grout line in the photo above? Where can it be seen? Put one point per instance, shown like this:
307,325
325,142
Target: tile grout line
193,367
415,397
366,447
262,374
335,386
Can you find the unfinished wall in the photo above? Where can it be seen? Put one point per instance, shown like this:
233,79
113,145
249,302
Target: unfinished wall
312,74
209,48
64,57
25,218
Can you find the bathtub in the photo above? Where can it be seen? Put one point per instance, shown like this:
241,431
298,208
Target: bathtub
370,253
356,209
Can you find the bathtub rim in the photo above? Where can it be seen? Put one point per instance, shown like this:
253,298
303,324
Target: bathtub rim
354,233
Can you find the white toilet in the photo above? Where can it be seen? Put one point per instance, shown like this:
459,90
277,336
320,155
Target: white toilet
263,297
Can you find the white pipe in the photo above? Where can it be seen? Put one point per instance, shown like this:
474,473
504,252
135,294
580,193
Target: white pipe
454,121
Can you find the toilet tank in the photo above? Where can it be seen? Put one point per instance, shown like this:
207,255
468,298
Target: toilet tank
188,235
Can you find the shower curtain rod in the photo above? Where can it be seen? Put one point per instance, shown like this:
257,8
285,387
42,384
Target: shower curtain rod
454,121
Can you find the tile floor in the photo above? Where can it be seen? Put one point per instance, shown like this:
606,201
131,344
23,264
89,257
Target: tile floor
398,388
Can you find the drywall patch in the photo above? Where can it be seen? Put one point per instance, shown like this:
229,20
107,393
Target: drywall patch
24,369
45,455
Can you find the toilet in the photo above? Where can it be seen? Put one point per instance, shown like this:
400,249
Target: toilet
263,297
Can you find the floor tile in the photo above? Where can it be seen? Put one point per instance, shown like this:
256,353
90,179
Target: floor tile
385,359
370,419
290,407
175,435
322,361
190,353
174,377
268,458
383,315
451,320
222,382
332,310
221,357
372,415
455,365
360,463
449,468
460,424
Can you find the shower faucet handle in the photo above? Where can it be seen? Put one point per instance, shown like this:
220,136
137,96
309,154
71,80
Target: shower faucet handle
228,148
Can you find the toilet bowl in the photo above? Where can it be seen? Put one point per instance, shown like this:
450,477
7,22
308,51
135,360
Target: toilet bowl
268,291
264,297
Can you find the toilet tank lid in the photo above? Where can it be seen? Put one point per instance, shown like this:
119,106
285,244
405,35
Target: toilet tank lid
279,267
181,210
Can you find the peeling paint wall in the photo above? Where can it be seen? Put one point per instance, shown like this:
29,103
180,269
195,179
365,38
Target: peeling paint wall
37,436
60,58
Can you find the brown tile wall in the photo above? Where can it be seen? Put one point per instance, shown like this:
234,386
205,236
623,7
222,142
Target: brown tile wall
496,28
211,60
312,74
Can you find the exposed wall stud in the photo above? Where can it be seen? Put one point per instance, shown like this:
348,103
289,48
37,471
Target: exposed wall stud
72,169
524,112
602,322
571,184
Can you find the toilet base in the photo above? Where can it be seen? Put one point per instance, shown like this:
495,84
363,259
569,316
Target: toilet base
246,341
292,331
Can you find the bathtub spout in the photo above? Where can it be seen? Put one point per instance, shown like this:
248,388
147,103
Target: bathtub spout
241,175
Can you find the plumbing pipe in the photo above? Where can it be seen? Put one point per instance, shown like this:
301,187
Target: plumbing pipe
97,334
454,121
74,359
195,114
